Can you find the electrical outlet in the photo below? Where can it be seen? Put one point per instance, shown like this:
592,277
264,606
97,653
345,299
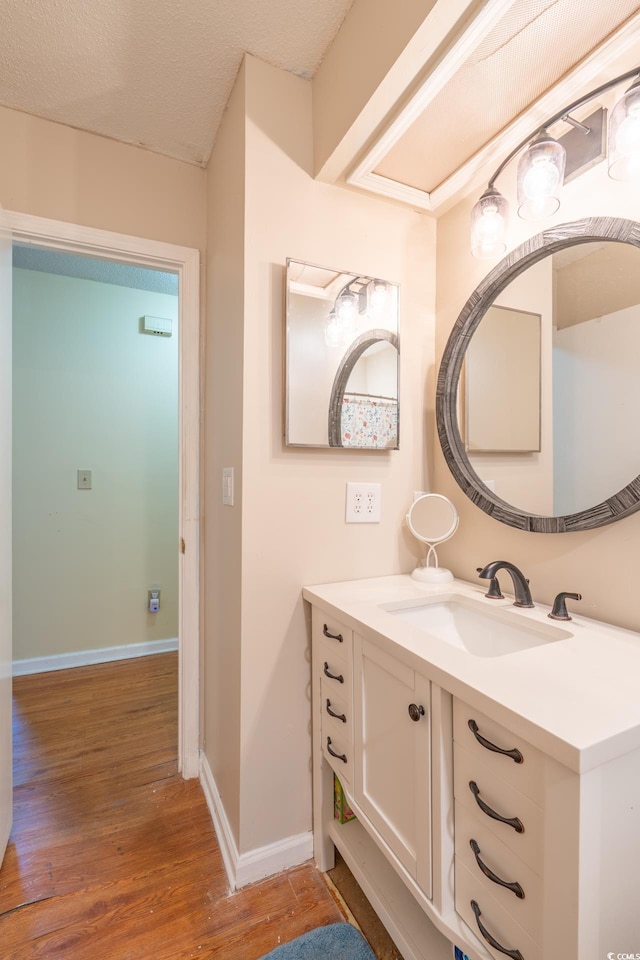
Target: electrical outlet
363,503
84,479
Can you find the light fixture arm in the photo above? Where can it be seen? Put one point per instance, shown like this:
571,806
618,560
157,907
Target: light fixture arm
561,115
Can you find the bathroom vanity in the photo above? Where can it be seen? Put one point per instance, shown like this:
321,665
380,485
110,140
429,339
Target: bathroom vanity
492,759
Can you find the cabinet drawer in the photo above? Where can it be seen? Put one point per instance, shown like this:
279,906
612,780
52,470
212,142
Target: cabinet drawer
502,798
504,864
335,637
337,747
335,706
335,673
496,921
525,774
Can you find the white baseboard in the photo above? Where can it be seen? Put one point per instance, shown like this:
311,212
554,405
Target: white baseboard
83,658
264,861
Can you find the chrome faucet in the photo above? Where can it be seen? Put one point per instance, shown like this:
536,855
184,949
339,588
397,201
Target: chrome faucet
520,584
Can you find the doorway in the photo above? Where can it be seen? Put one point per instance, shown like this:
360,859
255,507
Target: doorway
183,262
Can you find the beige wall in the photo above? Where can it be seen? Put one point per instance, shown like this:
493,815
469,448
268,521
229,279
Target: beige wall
49,170
223,423
92,392
602,564
293,529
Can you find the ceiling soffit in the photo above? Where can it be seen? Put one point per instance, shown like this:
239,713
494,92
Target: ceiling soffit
517,63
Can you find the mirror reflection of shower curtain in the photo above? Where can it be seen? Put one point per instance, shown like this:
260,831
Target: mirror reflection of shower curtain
369,421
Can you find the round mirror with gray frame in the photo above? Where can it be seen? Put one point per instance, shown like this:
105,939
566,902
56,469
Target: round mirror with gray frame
538,389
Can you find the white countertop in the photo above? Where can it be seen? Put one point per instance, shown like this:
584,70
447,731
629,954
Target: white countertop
577,698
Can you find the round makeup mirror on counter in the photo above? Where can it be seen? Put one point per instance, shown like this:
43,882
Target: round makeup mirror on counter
432,519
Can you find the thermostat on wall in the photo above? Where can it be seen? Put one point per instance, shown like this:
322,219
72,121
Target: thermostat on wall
158,325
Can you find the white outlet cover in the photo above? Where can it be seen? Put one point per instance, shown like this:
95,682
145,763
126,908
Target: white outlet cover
363,503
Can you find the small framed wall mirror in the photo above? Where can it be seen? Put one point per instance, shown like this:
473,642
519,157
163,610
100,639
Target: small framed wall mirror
342,359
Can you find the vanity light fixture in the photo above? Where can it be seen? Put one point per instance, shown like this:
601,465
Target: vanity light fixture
347,305
540,177
333,331
343,323
624,135
541,167
378,294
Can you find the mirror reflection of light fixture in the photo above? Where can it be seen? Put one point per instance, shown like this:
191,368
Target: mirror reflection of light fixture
541,167
347,306
333,331
352,308
378,294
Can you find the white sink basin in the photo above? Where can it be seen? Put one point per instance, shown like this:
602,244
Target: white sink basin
474,627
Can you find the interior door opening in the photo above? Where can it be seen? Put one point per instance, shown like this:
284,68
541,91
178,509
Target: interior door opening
95,460
117,252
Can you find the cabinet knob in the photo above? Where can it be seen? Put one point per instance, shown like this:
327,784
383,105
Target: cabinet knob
415,711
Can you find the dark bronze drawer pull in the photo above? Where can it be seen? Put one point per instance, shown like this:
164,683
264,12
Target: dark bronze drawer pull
338,756
514,754
510,821
415,711
332,636
514,954
338,716
514,887
332,676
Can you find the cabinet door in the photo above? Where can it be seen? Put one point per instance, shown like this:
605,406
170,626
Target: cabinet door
392,774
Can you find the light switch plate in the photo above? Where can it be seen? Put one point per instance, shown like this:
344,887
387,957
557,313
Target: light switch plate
227,486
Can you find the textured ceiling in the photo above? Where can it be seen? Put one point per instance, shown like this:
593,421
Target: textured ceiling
157,73
28,257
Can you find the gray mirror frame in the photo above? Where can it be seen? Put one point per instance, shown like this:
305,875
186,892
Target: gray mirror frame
344,371
620,504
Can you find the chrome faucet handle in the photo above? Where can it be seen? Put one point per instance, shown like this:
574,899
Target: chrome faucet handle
494,592
559,609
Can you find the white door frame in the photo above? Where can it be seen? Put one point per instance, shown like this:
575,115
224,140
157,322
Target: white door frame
185,261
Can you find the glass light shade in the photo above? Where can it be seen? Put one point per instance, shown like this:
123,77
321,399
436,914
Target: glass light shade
333,331
540,178
347,304
378,296
489,219
624,136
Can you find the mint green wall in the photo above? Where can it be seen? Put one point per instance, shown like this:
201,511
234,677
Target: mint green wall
92,392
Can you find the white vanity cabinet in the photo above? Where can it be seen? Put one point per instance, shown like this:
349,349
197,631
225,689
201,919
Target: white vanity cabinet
392,773
502,798
507,835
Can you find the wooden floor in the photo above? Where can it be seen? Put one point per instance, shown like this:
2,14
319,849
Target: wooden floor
113,855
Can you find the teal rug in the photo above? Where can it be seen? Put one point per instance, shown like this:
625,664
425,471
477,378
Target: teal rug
338,941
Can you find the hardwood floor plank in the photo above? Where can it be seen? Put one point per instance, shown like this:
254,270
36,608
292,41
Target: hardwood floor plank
112,855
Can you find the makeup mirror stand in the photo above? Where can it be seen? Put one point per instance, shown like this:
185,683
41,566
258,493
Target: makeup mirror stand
432,519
